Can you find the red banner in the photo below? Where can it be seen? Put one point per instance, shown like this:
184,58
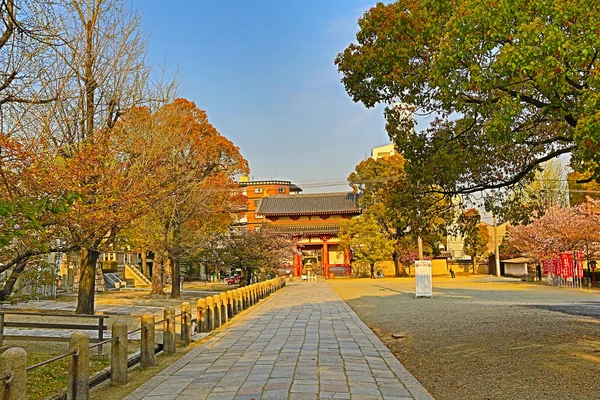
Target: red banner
556,267
546,266
571,269
564,265
579,264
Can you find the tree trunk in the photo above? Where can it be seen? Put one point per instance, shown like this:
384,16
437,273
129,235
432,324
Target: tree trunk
157,269
176,278
87,281
372,270
144,262
9,285
474,261
400,271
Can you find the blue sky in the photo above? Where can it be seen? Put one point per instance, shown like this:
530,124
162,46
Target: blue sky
264,72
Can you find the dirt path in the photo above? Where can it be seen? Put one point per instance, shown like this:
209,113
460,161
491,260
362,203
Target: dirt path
479,338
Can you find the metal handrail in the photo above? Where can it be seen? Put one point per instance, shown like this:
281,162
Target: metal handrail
73,352
136,331
104,342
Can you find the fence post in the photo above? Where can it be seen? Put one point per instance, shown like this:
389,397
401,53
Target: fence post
224,312
169,331
230,311
100,333
200,315
118,354
186,323
217,311
1,329
79,373
147,359
14,362
210,315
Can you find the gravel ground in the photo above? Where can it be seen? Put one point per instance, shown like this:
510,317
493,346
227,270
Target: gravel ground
485,338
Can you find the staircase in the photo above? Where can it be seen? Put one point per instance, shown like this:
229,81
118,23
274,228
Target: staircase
112,281
139,280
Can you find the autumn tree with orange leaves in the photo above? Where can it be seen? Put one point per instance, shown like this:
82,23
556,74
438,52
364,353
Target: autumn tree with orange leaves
196,167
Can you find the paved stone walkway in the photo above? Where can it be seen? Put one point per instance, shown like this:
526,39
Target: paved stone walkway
303,342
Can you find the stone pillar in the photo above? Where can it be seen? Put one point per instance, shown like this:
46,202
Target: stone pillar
201,315
79,374
118,354
147,359
14,361
224,318
210,315
230,301
169,331
217,310
186,323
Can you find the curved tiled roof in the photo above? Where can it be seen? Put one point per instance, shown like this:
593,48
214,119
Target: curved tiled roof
325,229
310,204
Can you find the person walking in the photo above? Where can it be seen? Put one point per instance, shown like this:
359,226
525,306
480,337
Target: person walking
452,273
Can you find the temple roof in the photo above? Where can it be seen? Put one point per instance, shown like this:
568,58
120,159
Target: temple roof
324,229
310,204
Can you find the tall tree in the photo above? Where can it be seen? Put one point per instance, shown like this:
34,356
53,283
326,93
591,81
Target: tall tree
510,85
196,167
399,207
103,58
475,235
364,237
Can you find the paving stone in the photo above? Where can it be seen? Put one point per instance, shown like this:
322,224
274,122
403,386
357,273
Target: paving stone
303,342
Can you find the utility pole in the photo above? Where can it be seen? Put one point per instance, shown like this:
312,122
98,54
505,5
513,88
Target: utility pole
496,252
420,247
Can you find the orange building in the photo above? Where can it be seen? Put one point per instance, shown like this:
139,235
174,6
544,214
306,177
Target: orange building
255,191
313,220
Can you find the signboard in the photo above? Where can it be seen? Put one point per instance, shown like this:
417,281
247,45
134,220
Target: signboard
423,279
546,265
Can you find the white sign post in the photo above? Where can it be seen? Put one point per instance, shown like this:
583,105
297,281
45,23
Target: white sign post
423,279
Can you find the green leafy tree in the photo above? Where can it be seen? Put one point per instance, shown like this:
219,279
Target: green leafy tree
403,211
364,237
509,84
528,200
475,235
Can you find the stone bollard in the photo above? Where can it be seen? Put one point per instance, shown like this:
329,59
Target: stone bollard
118,354
250,296
242,298
147,359
186,323
224,313
210,315
201,315
217,310
79,373
14,362
169,331
233,300
229,296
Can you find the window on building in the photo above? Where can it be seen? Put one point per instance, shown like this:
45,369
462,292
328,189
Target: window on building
281,190
258,190
256,203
